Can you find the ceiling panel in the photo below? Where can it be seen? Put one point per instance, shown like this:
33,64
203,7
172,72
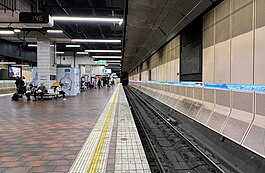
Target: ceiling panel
159,21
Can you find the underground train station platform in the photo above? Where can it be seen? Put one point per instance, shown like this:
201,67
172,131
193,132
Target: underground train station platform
93,132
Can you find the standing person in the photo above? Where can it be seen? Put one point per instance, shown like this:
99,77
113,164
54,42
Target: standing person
112,82
60,90
99,83
20,84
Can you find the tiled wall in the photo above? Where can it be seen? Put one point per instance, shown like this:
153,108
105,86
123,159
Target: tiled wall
233,43
164,64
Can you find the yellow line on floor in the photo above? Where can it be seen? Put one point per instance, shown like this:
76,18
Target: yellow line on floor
95,160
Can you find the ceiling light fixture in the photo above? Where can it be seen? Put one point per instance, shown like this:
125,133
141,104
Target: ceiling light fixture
82,53
6,32
21,65
7,62
114,57
117,61
72,45
121,22
32,45
112,51
87,19
96,40
59,52
54,31
114,62
17,30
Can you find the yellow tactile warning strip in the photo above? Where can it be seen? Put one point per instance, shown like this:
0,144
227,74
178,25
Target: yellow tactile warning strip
95,160
90,155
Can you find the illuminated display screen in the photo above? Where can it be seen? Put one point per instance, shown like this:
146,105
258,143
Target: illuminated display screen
33,17
14,72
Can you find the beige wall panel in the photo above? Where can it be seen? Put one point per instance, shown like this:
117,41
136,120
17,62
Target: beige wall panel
260,13
208,65
153,74
222,62
143,76
208,20
158,73
177,41
173,45
138,76
223,10
168,71
259,64
177,61
242,59
242,17
208,37
173,54
172,71
163,72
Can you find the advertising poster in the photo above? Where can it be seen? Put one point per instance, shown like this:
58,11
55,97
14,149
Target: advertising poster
70,78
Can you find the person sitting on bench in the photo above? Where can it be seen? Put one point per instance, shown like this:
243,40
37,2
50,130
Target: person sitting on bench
40,91
60,90
29,90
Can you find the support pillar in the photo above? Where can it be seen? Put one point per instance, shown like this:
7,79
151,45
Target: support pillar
46,63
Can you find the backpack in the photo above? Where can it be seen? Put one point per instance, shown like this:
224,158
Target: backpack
15,97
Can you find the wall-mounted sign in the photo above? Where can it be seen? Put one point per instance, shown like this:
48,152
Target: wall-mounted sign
104,70
100,62
25,17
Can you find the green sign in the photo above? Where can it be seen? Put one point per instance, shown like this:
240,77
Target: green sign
100,62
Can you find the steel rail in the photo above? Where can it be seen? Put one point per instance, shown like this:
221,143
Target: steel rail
209,161
157,160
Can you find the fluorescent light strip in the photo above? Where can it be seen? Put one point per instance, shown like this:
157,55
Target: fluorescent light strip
121,21
32,45
6,32
82,53
114,57
54,31
21,65
96,40
87,19
17,30
113,51
7,62
72,45
114,61
59,52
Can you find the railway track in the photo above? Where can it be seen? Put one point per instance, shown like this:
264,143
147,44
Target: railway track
167,147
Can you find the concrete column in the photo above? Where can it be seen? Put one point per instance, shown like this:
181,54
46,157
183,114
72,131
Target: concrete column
46,63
